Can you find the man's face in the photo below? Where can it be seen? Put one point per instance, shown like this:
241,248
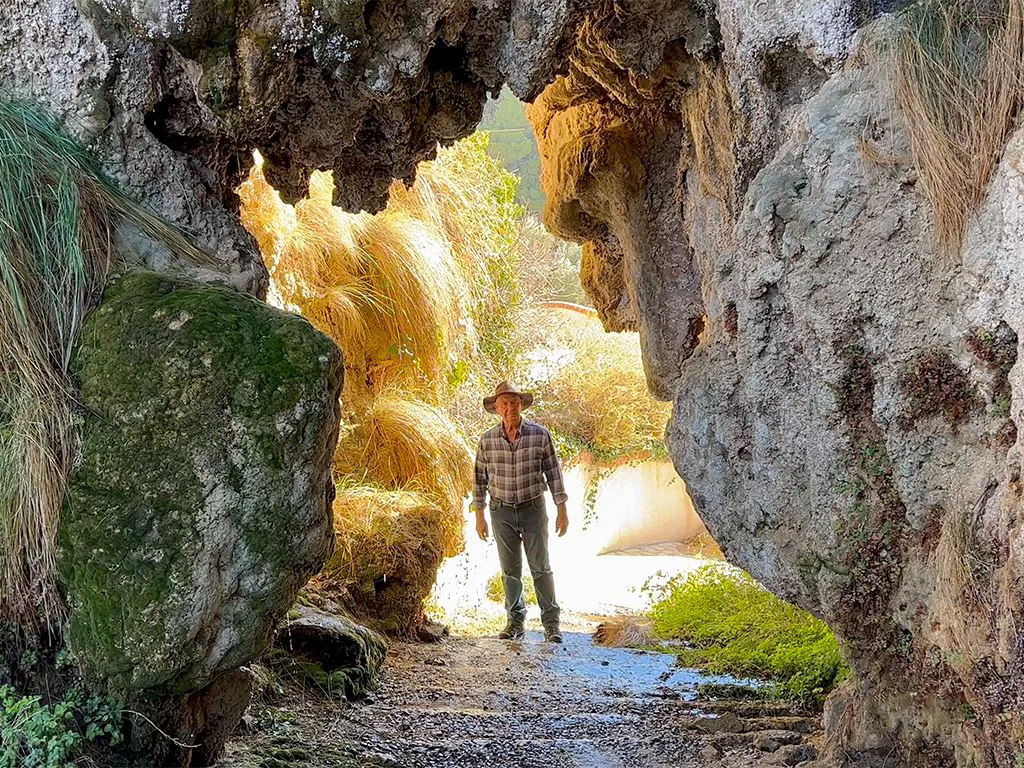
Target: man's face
508,406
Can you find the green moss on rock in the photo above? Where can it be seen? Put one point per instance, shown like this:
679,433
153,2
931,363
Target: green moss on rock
338,656
200,505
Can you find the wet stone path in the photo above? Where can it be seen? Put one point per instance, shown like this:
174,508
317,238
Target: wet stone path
487,703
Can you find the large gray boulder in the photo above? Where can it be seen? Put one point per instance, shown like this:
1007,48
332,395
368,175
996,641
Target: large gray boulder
201,504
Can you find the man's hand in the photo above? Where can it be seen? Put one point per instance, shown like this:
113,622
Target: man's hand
561,520
481,525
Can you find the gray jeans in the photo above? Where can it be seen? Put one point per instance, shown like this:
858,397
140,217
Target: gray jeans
517,528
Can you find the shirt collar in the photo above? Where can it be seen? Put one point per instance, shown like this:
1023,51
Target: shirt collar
501,427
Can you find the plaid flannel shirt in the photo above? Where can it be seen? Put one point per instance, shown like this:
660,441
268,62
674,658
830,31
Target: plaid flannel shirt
514,473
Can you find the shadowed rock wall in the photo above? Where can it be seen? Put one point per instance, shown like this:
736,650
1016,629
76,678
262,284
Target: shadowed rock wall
176,95
845,395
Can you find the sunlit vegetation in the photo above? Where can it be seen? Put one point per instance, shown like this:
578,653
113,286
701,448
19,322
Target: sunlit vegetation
496,592
595,400
433,300
729,624
512,143
423,300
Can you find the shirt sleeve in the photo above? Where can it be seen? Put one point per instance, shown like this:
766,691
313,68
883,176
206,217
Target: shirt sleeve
480,477
553,473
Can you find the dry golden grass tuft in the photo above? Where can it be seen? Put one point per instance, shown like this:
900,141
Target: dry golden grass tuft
597,398
625,631
388,552
405,444
384,287
958,595
960,83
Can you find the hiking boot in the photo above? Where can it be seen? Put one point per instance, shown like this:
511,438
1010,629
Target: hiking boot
514,630
552,635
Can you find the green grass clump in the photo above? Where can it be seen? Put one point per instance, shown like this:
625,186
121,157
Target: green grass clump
496,592
731,625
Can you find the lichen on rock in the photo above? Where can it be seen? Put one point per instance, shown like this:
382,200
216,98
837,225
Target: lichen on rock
201,503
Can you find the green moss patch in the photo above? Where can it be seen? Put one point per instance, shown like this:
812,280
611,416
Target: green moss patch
732,625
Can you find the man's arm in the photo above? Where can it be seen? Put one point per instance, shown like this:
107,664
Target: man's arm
553,474
480,490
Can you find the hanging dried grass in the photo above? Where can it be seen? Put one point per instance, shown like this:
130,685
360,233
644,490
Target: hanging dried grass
402,443
960,83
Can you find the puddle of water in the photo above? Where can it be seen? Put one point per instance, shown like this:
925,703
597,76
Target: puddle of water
621,672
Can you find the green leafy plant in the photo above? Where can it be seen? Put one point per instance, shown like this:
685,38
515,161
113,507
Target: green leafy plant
38,735
731,625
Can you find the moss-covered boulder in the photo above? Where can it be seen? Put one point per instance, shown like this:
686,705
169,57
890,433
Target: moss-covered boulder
202,501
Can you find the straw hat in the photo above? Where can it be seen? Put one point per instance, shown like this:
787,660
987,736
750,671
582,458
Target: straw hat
504,388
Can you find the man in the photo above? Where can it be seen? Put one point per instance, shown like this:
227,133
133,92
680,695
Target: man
515,461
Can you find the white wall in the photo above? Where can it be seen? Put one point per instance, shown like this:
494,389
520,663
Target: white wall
635,506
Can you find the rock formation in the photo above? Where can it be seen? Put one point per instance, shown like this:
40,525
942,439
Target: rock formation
202,501
843,388
176,95
845,392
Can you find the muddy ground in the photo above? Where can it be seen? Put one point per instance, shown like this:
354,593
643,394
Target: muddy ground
487,703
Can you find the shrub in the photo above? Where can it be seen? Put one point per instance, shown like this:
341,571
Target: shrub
37,735
732,625
496,590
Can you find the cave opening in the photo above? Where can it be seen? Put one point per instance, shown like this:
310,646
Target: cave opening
454,286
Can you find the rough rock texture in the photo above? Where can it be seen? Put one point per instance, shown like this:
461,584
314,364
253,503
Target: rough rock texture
103,84
342,658
845,397
176,95
202,501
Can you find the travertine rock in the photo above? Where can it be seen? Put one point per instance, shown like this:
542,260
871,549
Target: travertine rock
846,398
843,410
201,504
176,95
